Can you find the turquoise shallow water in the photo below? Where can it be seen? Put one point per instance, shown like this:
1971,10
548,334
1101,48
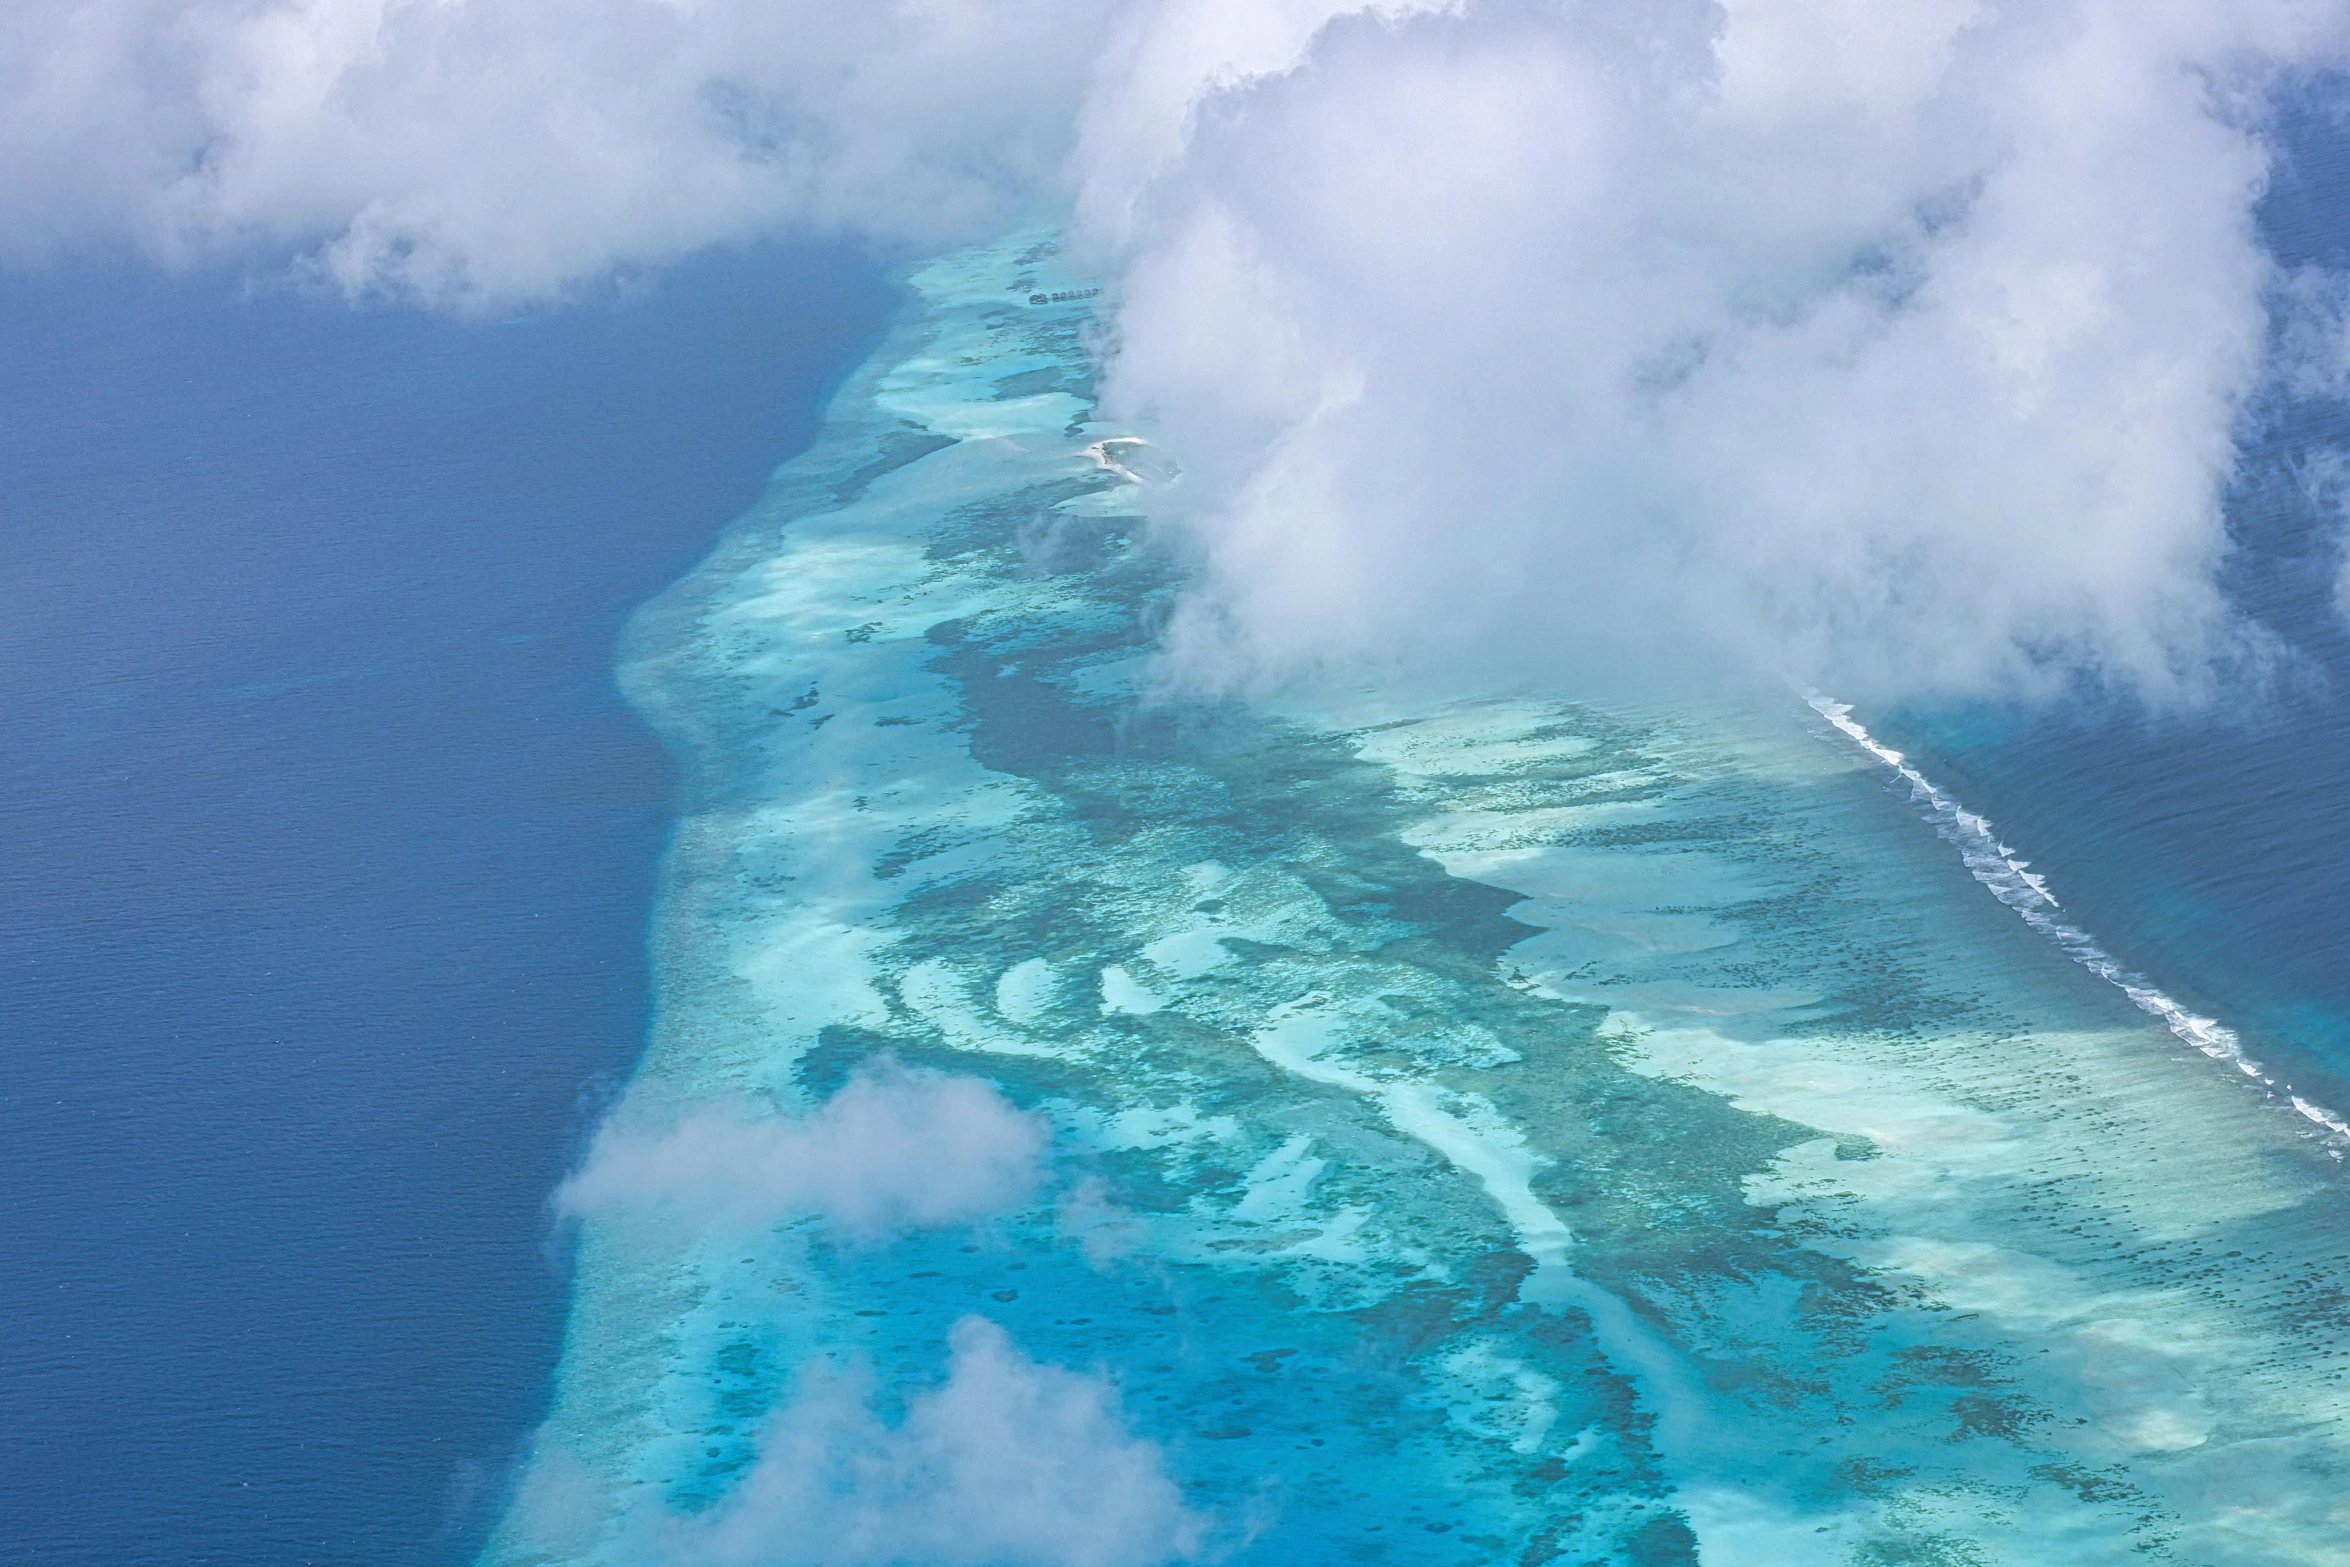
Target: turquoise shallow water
1440,1128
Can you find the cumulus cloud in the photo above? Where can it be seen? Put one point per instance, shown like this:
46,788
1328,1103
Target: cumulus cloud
1898,347
1008,1463
892,1150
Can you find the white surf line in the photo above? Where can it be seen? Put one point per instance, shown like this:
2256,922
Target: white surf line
2013,883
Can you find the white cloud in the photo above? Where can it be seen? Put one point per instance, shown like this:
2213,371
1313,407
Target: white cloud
1009,1463
892,1150
1894,347
1899,347
473,153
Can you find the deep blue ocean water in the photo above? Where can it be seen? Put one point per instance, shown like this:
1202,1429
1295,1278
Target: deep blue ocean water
325,850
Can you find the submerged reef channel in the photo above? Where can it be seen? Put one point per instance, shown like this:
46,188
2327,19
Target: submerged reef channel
1450,1132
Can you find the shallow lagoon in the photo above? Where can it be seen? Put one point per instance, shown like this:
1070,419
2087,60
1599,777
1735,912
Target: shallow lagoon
1483,1128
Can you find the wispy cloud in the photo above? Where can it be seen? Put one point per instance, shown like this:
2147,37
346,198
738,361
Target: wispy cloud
1008,1461
892,1150
476,153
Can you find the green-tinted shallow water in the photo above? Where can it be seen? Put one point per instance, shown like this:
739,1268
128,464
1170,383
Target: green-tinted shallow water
1482,1130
